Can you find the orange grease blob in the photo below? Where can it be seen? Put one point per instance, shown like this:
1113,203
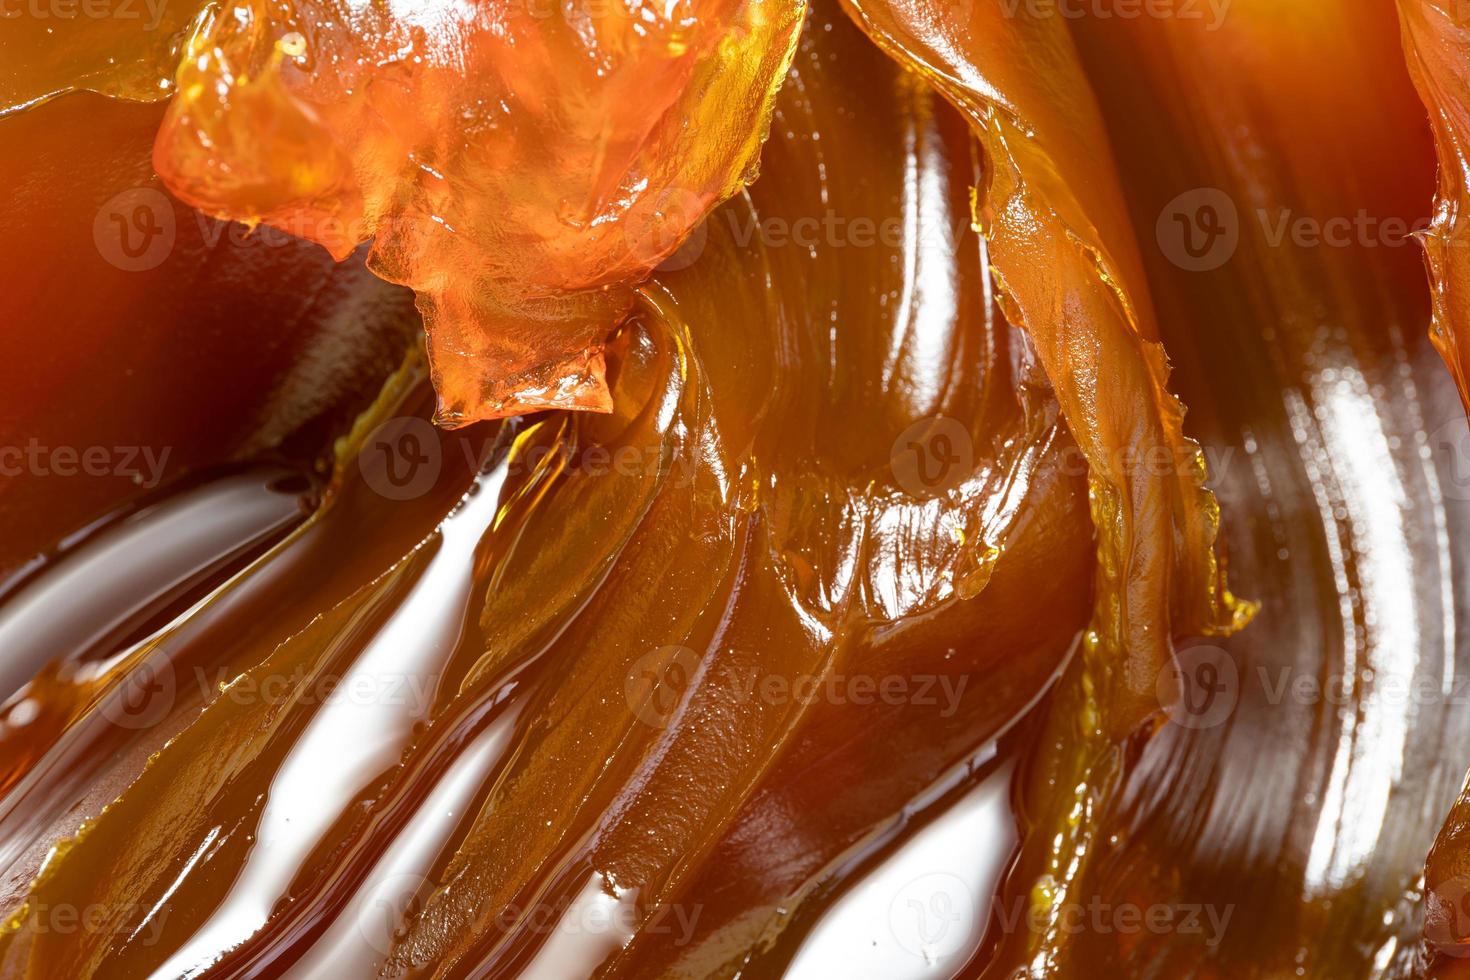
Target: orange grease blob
1436,39
520,166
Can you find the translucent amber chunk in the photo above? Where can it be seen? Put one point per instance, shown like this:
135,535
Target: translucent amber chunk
520,166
